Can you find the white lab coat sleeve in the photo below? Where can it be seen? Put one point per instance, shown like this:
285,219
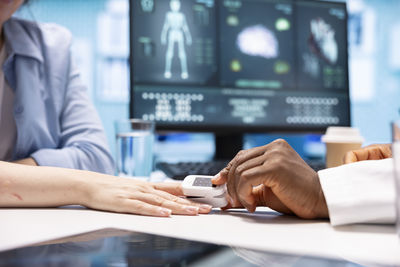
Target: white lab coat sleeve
361,192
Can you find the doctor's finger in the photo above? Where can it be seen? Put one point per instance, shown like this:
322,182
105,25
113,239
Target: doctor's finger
242,168
385,150
245,155
241,157
250,179
249,164
265,197
375,153
350,157
221,177
231,187
367,153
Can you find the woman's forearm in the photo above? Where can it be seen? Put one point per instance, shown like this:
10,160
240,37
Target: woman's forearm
33,186
26,161
27,186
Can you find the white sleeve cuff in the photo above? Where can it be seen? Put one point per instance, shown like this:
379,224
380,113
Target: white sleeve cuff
361,192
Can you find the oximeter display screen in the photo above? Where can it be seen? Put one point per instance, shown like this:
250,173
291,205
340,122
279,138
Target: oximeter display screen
201,181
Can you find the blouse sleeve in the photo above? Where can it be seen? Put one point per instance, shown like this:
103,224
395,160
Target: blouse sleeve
83,142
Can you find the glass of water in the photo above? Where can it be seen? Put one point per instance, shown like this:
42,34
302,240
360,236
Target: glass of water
135,140
396,160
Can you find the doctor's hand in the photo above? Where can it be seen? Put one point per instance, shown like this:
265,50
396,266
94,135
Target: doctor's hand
274,176
372,152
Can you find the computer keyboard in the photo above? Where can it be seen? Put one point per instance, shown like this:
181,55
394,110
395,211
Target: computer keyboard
180,170
316,164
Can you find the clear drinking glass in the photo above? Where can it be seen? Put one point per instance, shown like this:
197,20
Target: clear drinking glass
396,160
134,143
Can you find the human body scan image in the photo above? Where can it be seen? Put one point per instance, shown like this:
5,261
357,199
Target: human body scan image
175,41
175,31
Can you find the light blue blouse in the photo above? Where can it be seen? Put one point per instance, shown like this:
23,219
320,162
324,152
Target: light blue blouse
57,124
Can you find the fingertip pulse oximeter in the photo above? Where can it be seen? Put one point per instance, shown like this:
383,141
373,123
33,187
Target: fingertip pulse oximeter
199,188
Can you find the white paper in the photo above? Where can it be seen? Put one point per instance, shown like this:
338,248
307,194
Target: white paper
264,230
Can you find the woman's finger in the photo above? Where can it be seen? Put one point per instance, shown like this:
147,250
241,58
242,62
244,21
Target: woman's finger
175,207
135,206
174,188
203,208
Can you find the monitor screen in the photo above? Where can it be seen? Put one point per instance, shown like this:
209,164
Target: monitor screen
239,65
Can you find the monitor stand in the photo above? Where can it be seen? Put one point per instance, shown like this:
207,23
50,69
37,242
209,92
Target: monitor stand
227,146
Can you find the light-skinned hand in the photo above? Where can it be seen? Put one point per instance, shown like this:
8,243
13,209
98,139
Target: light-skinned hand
274,176
33,186
139,197
372,152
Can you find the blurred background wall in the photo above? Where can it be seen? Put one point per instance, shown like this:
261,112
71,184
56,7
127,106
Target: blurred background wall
101,48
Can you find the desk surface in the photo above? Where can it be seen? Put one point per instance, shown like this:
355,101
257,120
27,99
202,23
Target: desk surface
123,248
264,231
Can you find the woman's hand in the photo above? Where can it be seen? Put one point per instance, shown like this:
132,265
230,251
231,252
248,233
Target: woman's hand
138,197
33,186
275,176
372,152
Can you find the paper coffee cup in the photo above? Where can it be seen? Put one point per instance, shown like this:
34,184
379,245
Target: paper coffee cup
340,140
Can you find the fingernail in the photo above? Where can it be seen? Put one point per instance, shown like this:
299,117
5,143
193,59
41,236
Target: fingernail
192,210
205,208
230,199
215,178
165,212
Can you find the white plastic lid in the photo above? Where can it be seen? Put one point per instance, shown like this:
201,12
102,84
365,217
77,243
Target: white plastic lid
342,135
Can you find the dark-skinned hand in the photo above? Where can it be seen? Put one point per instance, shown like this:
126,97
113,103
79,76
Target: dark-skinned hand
274,176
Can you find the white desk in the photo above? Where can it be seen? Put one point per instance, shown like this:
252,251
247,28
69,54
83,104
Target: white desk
265,230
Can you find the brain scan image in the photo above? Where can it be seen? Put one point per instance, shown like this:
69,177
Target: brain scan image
322,40
259,41
258,47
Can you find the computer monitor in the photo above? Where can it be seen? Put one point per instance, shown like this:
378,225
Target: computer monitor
239,66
